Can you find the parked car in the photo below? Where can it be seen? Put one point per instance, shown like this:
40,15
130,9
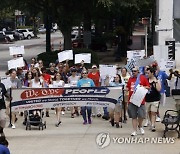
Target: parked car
27,34
2,36
9,35
42,30
18,35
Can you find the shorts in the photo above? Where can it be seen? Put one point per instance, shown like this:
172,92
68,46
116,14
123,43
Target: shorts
135,112
152,106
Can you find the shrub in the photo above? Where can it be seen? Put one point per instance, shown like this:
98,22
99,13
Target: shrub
49,57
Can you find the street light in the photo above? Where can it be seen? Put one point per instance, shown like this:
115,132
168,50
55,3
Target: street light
145,22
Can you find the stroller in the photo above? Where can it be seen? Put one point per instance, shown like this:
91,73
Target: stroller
35,118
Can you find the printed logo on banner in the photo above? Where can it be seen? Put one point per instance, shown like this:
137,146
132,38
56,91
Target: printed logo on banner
32,93
86,91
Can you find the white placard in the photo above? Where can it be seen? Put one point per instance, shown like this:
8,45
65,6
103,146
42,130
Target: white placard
138,96
135,54
6,81
107,70
65,55
86,57
160,52
144,62
14,63
130,65
15,50
165,65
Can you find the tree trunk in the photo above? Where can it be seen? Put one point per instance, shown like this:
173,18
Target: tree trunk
48,25
67,39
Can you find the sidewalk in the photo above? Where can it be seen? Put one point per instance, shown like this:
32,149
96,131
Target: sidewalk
72,137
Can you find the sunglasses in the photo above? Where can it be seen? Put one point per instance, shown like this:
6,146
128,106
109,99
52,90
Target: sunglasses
84,73
134,70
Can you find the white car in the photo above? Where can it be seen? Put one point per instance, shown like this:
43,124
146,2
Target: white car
27,34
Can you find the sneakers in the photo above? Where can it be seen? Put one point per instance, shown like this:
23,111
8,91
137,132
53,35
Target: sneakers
112,122
153,129
134,133
158,119
142,131
117,124
57,125
62,112
85,122
13,126
72,115
89,121
146,123
99,115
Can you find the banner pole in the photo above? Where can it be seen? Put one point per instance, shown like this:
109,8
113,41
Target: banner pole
124,107
10,111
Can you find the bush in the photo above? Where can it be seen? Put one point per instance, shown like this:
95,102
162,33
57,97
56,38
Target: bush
51,57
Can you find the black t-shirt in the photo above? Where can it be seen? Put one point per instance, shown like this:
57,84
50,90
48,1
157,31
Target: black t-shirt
153,95
2,93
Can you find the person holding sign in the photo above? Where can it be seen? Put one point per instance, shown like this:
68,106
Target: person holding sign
86,82
3,93
137,113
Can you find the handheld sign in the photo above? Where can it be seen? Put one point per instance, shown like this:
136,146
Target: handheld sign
65,55
15,50
85,57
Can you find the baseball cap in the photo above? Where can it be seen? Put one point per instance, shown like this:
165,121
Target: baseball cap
94,66
136,68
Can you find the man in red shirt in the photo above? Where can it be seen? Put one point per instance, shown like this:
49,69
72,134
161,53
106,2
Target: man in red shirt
95,76
136,113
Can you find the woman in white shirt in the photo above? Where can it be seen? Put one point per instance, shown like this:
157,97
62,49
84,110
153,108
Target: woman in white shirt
58,83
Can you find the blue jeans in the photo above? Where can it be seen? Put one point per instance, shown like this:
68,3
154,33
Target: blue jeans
83,111
106,113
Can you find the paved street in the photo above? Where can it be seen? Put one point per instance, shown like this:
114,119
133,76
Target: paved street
72,137
32,48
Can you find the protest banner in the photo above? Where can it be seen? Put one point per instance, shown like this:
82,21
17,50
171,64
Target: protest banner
6,81
107,70
130,65
15,50
65,55
135,54
85,57
165,65
144,62
39,98
15,63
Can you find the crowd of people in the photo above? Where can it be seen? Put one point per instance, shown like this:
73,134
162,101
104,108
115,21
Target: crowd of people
58,75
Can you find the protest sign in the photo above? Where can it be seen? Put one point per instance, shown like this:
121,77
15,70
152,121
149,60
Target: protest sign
15,63
130,65
65,55
85,57
138,95
135,54
144,62
15,50
39,98
107,70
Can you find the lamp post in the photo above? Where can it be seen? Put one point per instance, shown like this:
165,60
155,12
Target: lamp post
145,22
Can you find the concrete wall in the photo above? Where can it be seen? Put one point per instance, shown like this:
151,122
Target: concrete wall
165,21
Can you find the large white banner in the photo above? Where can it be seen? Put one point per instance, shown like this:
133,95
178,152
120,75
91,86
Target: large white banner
39,98
15,50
